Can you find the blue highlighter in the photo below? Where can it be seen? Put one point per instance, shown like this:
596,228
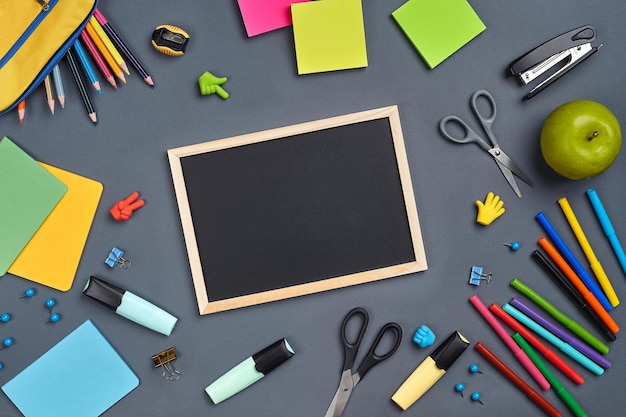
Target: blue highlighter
130,306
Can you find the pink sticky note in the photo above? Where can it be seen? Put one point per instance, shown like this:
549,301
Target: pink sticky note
260,16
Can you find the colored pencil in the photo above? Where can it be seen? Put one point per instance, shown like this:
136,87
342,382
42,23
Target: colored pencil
594,263
71,60
569,323
109,45
560,390
573,341
21,110
123,47
572,261
506,338
97,57
115,68
534,396
82,57
559,277
47,83
580,286
58,85
561,345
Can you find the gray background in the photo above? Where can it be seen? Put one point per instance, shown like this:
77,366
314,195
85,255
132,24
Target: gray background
127,152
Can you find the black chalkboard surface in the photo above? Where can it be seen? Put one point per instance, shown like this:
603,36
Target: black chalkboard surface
297,210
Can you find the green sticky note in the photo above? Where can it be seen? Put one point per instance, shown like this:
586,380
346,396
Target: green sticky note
329,35
28,193
439,28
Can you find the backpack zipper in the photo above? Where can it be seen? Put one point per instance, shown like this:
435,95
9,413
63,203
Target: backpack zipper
46,6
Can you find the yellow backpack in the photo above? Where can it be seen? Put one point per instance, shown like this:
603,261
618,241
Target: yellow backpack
35,35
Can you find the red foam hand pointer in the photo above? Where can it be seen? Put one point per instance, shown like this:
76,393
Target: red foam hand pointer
123,209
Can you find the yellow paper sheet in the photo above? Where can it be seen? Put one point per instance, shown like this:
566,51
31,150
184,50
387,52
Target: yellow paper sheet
51,257
329,35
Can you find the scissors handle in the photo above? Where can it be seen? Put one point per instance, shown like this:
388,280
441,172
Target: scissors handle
469,136
486,122
351,348
372,358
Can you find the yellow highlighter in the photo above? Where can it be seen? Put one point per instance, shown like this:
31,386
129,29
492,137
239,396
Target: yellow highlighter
595,265
430,370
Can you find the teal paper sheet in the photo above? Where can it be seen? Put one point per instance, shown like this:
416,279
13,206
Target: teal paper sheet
82,375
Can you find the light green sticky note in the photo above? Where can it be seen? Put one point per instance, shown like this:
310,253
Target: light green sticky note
28,193
438,28
329,35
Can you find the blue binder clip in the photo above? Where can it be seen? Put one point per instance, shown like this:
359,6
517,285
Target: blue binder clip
476,276
115,259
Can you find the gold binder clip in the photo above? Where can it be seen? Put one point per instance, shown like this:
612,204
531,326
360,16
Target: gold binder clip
166,359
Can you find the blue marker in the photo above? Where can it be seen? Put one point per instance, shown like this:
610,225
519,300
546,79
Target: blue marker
607,227
572,261
561,345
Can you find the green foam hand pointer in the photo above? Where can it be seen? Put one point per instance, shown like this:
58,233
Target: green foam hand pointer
210,84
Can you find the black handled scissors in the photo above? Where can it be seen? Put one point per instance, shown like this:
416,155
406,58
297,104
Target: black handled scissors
506,165
348,378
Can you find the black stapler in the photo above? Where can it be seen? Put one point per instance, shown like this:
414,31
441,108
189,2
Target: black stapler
567,50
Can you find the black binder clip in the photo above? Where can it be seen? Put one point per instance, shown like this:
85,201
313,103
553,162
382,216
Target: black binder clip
165,360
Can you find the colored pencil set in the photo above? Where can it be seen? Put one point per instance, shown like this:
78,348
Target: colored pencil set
549,323
98,43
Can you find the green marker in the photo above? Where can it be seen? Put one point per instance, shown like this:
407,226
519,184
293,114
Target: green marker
560,390
562,318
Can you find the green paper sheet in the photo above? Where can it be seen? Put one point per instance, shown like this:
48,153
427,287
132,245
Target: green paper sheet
28,193
439,28
329,35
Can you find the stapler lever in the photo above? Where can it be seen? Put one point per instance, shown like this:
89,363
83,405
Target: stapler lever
566,50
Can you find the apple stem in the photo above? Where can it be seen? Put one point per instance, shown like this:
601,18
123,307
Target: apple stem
594,135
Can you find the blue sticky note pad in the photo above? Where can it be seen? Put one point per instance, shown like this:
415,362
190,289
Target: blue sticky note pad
82,375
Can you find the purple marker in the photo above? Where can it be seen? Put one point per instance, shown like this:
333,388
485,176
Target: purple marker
562,334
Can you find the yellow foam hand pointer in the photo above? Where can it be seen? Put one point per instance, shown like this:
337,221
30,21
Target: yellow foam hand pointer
490,210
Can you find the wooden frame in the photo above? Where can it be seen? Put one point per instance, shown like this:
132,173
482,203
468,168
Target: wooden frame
201,274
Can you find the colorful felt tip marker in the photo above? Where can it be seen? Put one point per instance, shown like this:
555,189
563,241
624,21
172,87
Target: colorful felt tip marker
569,323
607,227
430,370
249,371
561,345
130,306
594,263
506,338
534,396
560,390
572,261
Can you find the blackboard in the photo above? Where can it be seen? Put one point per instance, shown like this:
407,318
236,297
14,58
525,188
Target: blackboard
297,210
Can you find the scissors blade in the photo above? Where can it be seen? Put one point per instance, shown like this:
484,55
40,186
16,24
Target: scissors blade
346,385
509,168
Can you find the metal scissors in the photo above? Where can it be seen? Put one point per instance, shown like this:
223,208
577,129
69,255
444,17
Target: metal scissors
348,378
506,165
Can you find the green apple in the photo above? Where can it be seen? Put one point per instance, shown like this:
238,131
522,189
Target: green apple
580,139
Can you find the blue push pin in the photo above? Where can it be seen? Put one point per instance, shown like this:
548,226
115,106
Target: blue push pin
513,245
459,388
1,366
474,369
4,318
28,293
424,337
115,259
6,343
54,317
476,397
50,302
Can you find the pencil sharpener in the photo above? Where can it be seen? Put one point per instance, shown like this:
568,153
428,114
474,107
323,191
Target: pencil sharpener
170,40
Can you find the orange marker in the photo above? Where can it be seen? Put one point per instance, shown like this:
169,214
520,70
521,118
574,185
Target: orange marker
571,275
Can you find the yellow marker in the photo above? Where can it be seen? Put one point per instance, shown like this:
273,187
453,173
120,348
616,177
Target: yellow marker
430,370
595,265
109,45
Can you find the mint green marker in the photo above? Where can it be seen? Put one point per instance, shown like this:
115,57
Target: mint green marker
560,390
569,323
249,371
